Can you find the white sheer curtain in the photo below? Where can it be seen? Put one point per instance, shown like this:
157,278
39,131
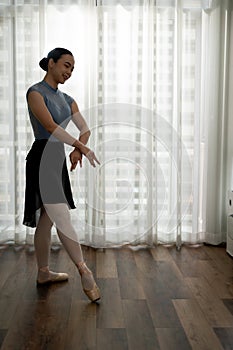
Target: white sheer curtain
151,80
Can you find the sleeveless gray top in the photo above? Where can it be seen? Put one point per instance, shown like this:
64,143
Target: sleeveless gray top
58,104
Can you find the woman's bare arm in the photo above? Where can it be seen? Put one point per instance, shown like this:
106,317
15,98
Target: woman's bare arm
80,123
40,111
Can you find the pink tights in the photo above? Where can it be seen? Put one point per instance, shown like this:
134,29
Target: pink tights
59,215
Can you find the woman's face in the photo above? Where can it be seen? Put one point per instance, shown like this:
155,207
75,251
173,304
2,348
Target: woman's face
62,69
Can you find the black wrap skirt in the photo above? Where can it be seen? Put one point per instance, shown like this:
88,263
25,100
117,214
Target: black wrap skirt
47,179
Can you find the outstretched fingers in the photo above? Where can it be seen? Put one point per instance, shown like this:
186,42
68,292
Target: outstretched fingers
92,158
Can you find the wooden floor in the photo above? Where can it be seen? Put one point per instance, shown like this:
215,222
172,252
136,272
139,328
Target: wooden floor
151,299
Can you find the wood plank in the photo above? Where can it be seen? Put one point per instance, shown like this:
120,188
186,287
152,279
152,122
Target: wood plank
207,267
110,313
229,304
106,264
126,265
38,326
161,281
131,288
222,285
114,339
161,253
160,304
172,338
13,289
200,334
145,264
139,326
214,309
173,280
221,260
3,333
8,261
196,251
81,327
225,335
183,258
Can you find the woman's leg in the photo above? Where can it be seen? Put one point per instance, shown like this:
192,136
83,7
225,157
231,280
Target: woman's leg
59,213
42,241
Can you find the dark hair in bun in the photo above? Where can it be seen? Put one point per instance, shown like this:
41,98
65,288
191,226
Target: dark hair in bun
55,54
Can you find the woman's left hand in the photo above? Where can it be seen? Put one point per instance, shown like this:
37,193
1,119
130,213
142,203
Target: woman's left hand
75,158
92,158
88,153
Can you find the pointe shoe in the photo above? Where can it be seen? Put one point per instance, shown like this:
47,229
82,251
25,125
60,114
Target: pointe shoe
46,277
94,293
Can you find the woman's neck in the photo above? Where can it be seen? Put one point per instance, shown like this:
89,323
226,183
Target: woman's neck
49,80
